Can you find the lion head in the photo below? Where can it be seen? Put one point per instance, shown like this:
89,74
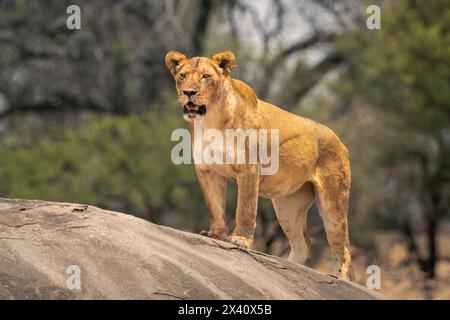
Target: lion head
199,80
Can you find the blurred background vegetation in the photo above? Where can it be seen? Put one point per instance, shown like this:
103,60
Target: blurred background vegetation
86,115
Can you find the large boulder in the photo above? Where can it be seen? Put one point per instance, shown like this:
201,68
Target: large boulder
46,247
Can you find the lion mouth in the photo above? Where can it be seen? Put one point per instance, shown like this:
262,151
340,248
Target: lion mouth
192,109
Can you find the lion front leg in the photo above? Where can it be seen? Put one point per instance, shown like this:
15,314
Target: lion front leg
247,205
214,189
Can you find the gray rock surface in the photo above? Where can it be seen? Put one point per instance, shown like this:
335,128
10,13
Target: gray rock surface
123,257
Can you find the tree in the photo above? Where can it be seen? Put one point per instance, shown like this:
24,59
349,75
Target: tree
404,70
108,66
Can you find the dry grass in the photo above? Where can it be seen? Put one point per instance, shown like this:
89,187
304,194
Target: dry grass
400,276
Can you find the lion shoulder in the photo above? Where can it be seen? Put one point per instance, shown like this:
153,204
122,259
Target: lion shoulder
245,92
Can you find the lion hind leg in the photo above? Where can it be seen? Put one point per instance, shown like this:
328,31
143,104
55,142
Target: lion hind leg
292,214
332,192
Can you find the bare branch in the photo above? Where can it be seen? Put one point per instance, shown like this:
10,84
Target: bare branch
279,12
56,103
304,44
231,20
281,57
310,78
201,24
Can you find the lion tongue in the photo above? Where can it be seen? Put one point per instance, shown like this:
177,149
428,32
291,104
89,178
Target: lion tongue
190,105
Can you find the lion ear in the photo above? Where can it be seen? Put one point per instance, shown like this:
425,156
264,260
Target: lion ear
226,60
173,59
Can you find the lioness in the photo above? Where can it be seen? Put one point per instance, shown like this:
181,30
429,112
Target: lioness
313,162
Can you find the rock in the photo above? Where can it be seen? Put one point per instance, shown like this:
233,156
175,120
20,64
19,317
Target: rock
43,245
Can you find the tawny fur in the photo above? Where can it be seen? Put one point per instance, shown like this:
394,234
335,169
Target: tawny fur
313,162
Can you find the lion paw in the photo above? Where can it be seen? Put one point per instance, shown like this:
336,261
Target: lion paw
240,241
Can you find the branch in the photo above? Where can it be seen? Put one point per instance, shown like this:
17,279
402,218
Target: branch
304,44
310,79
278,60
266,35
201,24
331,8
231,21
279,11
411,242
55,103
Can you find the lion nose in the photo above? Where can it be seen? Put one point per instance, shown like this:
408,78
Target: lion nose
189,93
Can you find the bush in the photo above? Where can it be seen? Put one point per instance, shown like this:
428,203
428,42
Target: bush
119,163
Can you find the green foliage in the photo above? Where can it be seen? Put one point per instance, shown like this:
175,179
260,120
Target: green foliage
403,70
405,66
391,107
120,163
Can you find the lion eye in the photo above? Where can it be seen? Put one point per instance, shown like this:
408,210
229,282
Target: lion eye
182,75
206,76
